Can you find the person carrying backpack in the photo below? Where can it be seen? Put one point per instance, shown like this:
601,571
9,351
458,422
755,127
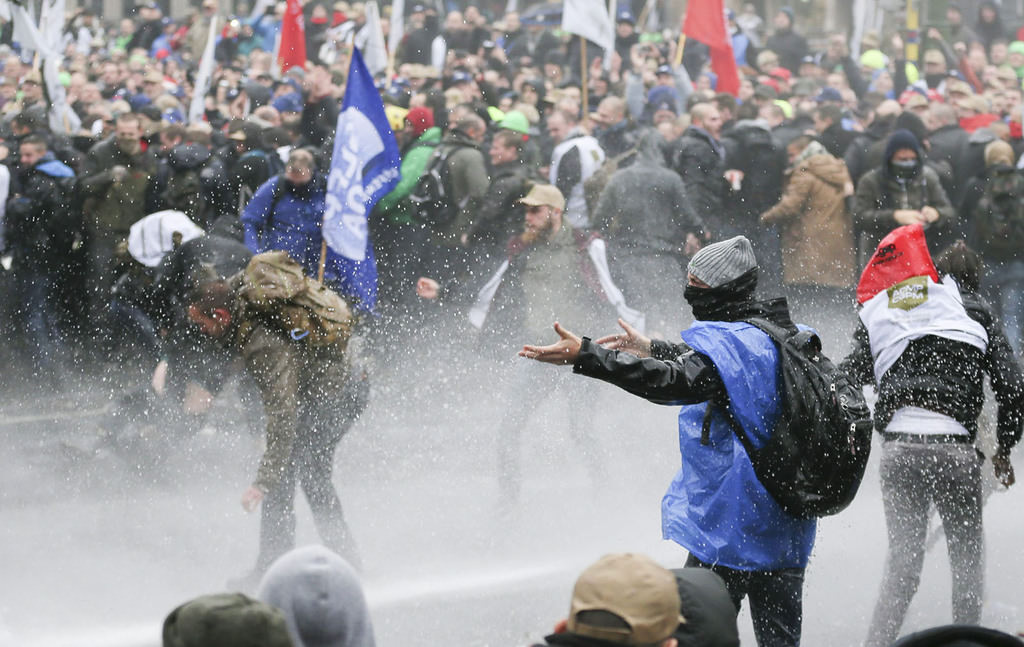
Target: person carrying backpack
726,373
994,209
292,333
926,342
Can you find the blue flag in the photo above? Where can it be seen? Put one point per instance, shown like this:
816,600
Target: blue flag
364,167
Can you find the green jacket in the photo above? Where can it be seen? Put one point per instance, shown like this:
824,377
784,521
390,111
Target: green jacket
113,207
291,376
395,206
467,175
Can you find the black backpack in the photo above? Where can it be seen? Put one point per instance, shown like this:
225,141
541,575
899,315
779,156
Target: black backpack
431,197
815,459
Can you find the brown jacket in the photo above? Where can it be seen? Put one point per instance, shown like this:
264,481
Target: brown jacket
816,228
298,385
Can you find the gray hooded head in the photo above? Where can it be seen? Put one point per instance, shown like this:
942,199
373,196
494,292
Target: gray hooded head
321,598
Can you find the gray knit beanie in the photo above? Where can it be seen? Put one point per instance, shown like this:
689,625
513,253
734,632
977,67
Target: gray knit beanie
722,262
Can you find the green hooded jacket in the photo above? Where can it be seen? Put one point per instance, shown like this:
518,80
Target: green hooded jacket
396,206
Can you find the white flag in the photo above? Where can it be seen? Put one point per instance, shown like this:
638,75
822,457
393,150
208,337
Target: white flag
51,24
197,108
397,26
438,52
589,20
370,41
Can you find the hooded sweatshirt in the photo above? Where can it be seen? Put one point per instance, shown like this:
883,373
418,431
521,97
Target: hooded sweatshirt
817,230
660,221
320,597
883,190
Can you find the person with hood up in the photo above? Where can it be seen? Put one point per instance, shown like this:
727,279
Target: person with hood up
790,46
716,508
817,230
652,237
903,191
926,342
321,598
989,27
996,230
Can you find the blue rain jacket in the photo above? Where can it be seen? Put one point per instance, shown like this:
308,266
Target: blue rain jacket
715,507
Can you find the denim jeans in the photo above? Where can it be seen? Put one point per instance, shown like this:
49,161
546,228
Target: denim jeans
1004,288
38,312
915,476
776,600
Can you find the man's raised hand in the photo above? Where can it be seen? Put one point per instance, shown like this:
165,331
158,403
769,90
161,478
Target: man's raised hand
564,351
630,341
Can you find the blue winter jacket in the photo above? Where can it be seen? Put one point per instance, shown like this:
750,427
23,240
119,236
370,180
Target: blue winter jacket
715,507
294,225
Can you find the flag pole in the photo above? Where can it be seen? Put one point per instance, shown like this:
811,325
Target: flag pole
679,50
323,256
583,75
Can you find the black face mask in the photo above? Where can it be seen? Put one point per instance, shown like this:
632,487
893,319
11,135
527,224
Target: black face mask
301,191
933,80
903,170
730,302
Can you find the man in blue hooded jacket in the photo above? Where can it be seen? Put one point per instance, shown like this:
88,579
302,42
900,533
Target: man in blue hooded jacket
287,212
40,232
715,507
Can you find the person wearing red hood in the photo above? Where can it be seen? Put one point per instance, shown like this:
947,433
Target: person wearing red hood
926,342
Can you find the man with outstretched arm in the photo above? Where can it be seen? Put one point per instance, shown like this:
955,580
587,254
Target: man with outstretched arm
715,507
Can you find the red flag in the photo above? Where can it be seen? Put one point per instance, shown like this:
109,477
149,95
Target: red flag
292,51
903,253
705,22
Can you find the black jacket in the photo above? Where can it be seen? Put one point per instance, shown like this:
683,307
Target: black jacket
500,215
751,148
674,373
864,152
791,48
836,140
949,143
700,161
40,225
947,376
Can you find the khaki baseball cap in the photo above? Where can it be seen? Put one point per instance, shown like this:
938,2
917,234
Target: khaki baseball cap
631,588
544,195
934,56
916,100
956,86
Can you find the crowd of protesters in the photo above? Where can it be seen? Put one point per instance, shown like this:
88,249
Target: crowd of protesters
550,188
815,158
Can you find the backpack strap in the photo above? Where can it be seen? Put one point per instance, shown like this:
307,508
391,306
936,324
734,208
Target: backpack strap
275,196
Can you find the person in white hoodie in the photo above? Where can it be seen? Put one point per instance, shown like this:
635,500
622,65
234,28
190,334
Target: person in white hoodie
321,598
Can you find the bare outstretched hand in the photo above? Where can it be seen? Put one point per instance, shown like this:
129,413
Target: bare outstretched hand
630,341
564,351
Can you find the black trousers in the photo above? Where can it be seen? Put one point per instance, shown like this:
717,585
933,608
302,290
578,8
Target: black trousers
776,600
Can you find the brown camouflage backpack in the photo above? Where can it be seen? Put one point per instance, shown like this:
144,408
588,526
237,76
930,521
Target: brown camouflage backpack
275,287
